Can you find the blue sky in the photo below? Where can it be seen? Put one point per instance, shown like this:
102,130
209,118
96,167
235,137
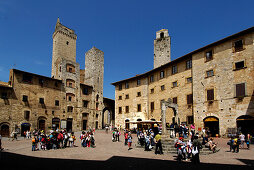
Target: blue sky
123,29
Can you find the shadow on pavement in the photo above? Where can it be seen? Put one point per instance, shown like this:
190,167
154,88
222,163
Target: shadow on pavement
17,161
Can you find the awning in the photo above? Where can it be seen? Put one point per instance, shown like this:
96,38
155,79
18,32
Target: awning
144,121
211,119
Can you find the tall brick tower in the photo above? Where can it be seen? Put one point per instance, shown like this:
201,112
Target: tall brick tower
162,48
94,71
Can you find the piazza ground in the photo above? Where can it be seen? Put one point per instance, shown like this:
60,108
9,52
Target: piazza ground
114,155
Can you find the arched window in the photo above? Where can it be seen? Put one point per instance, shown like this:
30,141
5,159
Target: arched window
70,68
162,35
70,83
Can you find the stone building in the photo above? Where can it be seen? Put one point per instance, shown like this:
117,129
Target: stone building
213,87
71,98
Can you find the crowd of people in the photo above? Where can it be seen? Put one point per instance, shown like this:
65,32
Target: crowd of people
53,140
238,141
87,139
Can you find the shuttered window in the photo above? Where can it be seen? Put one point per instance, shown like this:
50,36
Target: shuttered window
189,99
240,90
210,94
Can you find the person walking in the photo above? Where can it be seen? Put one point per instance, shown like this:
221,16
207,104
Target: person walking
248,141
242,138
33,143
158,144
196,146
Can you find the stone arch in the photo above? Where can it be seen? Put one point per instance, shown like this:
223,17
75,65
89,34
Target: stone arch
5,129
211,124
245,124
106,117
162,35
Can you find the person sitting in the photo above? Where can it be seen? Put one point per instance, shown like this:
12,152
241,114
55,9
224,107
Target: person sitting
212,145
205,139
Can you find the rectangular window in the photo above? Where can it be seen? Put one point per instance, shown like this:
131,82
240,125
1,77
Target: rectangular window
151,78
209,73
41,100
85,91
174,84
119,97
188,64
238,45
138,94
25,98
152,106
127,109
56,102
162,87
127,96
126,85
85,103
138,82
189,80
26,115
210,94
120,87
120,110
209,55
69,98
239,65
152,90
189,99
162,74
4,95
175,100
69,109
139,107
240,90
174,69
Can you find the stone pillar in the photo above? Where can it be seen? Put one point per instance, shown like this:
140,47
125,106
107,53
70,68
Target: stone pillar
163,118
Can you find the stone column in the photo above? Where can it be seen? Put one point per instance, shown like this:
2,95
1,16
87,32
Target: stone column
163,118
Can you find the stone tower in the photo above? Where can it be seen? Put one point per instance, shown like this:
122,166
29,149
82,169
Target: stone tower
162,48
64,47
94,72
65,68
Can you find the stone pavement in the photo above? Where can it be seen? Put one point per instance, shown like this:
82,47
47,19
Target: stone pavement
109,152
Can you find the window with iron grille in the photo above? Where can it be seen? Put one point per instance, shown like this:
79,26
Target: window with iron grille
210,94
240,90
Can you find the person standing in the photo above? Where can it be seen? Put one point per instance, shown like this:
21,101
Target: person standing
158,144
196,146
33,144
242,138
129,141
248,141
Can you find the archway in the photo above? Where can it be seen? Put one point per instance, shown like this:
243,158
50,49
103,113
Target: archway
211,124
127,124
106,117
42,123
245,124
25,127
5,130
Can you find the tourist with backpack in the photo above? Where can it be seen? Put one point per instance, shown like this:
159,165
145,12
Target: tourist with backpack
196,146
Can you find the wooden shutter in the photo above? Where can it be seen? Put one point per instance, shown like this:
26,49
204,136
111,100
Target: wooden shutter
240,90
210,94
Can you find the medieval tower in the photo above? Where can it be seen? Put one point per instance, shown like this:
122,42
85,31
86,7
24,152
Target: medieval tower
162,48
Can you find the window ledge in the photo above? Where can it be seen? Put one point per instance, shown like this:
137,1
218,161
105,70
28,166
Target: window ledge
236,69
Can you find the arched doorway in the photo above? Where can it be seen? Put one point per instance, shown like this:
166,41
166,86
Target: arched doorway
106,117
4,130
25,127
245,124
139,124
41,123
84,120
211,124
127,124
